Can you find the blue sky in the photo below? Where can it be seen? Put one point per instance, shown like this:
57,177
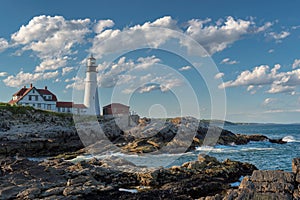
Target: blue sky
254,45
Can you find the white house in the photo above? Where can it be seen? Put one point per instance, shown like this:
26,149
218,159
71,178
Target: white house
37,98
45,100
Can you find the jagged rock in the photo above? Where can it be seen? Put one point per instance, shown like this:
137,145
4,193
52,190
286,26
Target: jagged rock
53,191
266,184
58,178
296,165
277,141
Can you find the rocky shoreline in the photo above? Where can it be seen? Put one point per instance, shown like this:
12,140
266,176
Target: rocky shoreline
37,133
34,133
100,179
205,178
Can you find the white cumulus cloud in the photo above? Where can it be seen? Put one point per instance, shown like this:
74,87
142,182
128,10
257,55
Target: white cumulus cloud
267,101
3,74
185,68
102,24
67,70
227,61
3,44
51,38
51,64
25,78
278,82
214,37
278,37
219,75
296,63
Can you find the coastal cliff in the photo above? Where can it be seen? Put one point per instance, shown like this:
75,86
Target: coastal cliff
29,132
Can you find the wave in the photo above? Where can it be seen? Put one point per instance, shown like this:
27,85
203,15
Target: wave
230,149
289,138
146,160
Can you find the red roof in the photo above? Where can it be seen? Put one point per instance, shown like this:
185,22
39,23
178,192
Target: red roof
21,92
63,104
47,92
13,101
115,105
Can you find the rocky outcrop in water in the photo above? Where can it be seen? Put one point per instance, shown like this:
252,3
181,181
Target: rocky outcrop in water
202,134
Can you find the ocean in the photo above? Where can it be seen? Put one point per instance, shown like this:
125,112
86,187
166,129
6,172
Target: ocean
264,155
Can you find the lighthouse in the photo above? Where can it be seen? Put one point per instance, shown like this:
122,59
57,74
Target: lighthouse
91,98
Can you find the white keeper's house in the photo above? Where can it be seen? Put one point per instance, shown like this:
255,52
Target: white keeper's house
45,100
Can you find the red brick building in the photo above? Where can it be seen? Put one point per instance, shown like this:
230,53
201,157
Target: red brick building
116,109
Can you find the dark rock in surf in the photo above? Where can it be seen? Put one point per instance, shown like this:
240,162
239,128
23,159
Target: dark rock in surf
277,141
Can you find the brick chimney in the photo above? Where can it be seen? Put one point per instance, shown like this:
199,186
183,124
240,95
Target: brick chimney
25,86
46,88
31,85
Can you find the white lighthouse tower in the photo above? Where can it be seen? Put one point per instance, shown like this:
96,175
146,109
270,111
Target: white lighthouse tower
91,98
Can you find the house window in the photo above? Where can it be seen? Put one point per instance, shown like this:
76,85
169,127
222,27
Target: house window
29,98
68,110
63,109
58,109
36,98
39,105
33,91
48,106
33,105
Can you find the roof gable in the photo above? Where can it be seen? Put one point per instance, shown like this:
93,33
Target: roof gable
47,92
21,94
24,91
